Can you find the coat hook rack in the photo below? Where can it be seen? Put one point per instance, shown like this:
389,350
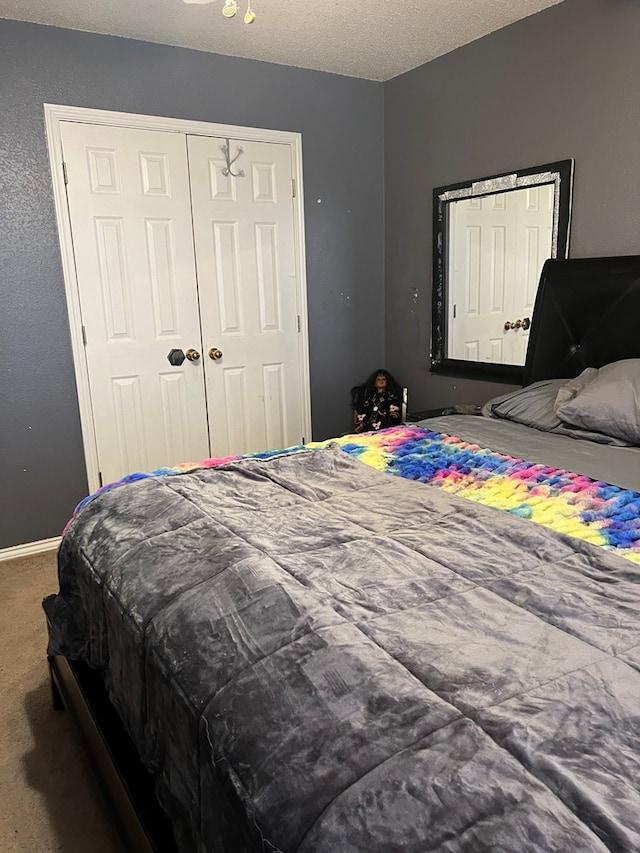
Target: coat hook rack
226,150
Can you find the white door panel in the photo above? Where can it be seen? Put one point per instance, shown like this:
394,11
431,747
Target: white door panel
482,266
245,255
130,212
499,244
533,248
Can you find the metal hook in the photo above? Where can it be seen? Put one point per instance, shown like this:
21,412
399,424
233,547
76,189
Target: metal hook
226,150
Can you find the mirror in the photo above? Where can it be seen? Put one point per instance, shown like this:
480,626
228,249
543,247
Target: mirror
491,239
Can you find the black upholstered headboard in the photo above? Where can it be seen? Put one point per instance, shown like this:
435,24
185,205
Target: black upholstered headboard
587,314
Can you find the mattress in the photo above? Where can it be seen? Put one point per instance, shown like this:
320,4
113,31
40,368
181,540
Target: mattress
312,655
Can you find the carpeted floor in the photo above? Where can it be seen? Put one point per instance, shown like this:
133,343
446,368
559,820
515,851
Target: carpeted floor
49,800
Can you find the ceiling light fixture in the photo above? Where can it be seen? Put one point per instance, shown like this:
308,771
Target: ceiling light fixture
230,9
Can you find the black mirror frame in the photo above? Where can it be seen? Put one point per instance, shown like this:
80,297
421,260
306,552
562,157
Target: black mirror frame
563,170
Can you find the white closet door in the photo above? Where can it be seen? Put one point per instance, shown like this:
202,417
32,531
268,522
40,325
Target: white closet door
130,210
244,239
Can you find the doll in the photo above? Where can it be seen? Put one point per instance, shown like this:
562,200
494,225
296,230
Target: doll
377,403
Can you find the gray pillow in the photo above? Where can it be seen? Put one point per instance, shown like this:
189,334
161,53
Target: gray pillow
532,406
608,402
574,386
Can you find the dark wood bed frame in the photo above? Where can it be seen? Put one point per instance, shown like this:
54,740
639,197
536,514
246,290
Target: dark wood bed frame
585,316
126,785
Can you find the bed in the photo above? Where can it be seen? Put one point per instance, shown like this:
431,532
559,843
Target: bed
300,652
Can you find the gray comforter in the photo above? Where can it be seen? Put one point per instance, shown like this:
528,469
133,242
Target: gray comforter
315,656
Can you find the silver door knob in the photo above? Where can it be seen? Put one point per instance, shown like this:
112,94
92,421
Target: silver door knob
215,353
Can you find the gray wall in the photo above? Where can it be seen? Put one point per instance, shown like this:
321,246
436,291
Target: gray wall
42,472
560,84
563,83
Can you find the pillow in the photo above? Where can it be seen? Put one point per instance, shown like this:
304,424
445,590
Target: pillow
532,406
574,386
608,402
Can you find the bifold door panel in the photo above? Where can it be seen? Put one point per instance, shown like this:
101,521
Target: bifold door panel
130,210
245,257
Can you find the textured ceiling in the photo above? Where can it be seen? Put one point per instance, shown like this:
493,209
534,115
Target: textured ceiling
374,39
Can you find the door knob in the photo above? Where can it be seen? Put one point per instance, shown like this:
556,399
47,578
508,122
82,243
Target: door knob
508,326
215,353
526,323
192,354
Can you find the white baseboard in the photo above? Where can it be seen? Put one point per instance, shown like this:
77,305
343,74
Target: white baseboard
29,548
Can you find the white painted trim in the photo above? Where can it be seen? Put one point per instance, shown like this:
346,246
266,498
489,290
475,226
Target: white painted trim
55,114
58,113
54,142
301,279
29,549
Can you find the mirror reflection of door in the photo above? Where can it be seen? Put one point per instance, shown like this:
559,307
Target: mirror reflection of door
498,245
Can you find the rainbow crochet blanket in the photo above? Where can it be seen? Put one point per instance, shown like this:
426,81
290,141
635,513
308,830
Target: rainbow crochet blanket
597,512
